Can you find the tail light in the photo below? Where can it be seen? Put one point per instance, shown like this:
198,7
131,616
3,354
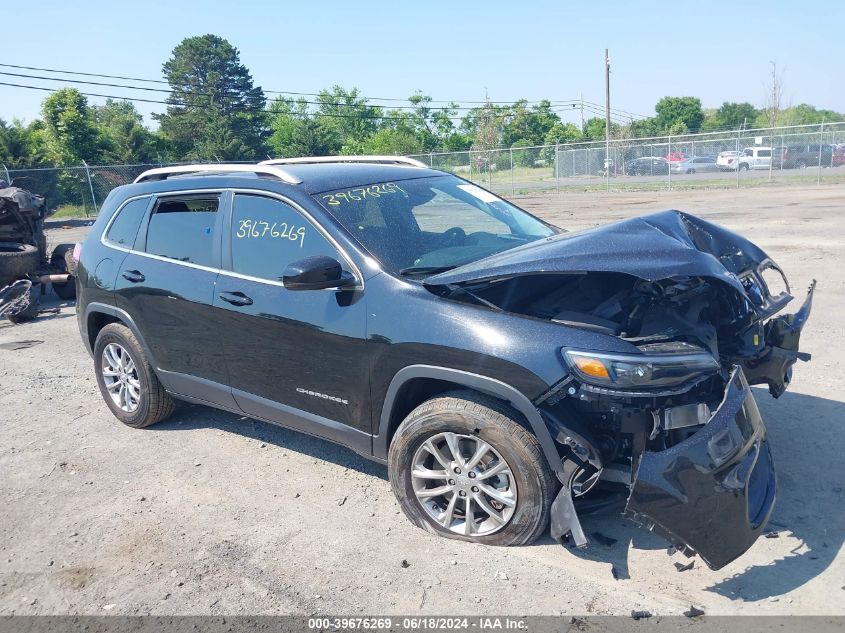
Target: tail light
77,251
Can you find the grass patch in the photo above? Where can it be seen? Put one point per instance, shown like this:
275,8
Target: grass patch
71,211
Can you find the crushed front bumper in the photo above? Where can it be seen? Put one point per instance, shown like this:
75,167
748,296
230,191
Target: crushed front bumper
773,365
712,493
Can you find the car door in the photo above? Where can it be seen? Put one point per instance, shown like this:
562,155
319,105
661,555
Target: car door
295,357
166,285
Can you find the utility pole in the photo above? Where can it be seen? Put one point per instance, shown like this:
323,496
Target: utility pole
582,113
607,114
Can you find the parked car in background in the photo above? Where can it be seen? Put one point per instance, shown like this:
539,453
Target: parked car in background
727,161
839,155
756,158
647,166
802,156
674,157
694,164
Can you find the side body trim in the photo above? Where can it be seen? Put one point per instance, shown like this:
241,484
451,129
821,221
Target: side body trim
306,422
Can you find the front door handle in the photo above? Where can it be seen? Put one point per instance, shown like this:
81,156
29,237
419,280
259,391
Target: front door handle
135,276
236,298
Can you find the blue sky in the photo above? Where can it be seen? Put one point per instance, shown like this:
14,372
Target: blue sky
713,50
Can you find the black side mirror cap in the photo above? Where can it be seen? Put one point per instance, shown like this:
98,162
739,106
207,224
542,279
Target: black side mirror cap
316,273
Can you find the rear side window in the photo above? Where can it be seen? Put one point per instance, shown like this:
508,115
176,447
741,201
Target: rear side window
124,227
183,229
764,153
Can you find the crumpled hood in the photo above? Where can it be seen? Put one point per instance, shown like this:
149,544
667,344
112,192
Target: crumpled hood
651,247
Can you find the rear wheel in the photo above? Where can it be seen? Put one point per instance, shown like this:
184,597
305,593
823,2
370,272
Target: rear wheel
462,466
801,164
126,379
743,167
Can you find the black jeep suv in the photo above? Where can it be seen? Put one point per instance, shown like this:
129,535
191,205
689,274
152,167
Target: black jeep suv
504,369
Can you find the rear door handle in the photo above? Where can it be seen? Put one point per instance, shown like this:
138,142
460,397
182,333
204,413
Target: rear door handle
236,298
135,276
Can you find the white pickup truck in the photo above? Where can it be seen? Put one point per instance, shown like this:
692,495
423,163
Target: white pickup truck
749,158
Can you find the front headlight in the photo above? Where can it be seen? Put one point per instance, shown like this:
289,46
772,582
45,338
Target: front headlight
641,371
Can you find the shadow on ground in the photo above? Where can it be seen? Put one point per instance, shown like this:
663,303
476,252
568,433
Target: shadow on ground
189,417
806,436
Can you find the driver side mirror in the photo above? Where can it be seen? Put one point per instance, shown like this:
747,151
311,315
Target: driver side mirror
316,273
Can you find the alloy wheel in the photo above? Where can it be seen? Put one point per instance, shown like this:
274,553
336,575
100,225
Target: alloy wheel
120,376
464,484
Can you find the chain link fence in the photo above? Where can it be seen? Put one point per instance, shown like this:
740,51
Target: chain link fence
795,155
76,191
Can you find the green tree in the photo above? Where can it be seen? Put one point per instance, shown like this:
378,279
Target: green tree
348,116
392,142
22,145
731,115
673,110
69,132
805,114
295,132
594,128
215,110
124,137
562,133
528,124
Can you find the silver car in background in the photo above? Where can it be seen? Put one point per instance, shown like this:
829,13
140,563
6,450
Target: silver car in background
694,165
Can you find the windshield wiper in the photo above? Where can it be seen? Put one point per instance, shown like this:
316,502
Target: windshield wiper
425,270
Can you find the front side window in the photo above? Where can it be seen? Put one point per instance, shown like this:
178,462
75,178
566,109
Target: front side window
765,153
183,229
124,227
268,234
425,225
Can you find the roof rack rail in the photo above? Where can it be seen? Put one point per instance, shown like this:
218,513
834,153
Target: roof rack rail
305,160
162,173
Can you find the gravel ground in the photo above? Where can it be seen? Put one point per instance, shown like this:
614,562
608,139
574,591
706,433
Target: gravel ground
211,513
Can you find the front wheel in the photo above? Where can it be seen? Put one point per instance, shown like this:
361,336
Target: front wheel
462,466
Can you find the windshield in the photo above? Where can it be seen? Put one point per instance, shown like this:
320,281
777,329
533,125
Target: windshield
428,225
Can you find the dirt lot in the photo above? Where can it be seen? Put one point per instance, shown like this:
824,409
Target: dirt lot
210,513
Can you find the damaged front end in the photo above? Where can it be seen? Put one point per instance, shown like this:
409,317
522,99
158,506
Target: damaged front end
673,425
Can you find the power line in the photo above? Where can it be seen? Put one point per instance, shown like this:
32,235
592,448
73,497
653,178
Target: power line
278,92
224,95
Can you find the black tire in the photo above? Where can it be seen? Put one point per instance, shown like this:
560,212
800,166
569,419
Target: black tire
743,167
62,259
690,171
497,424
155,404
31,310
17,261
801,164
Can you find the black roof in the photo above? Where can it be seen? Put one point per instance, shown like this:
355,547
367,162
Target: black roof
319,177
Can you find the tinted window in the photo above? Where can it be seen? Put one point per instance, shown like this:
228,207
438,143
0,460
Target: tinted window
124,228
268,234
183,229
764,153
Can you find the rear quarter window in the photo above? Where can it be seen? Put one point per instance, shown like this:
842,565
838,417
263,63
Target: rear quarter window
124,227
